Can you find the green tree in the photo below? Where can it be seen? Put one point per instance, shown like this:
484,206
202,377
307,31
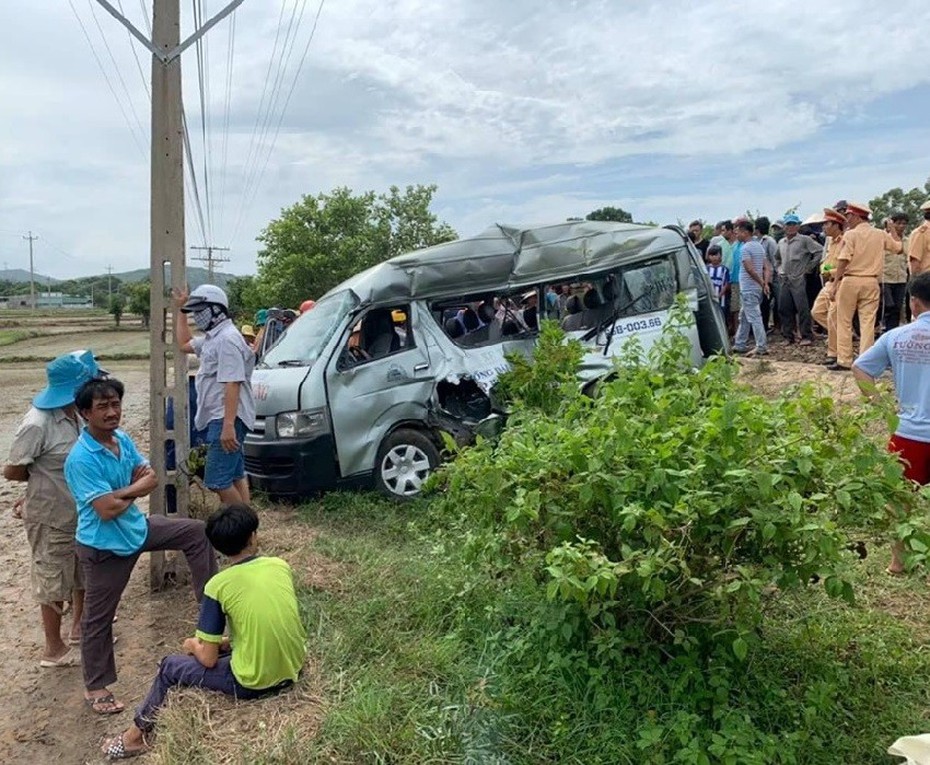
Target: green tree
320,241
615,214
908,202
242,292
116,307
140,301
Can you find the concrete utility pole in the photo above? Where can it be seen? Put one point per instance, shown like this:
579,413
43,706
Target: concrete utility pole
109,282
210,258
167,250
32,273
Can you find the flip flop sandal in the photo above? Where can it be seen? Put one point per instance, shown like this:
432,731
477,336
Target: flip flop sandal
116,749
99,701
69,658
77,640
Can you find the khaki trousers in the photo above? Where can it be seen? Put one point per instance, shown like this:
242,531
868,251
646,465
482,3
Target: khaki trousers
856,293
824,313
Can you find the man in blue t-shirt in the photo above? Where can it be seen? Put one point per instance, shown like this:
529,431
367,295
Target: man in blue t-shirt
106,475
906,350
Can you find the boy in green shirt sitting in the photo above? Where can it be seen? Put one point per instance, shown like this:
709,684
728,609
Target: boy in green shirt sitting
254,599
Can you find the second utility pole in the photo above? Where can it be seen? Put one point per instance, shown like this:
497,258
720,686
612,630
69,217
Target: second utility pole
32,273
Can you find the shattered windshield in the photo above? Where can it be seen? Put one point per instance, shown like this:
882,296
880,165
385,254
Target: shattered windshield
649,287
306,338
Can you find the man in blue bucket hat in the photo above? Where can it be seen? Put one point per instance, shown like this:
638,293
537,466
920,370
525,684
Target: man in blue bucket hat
37,457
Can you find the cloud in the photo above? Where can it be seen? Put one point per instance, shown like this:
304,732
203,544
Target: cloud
519,111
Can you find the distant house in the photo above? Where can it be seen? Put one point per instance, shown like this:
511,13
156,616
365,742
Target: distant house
46,300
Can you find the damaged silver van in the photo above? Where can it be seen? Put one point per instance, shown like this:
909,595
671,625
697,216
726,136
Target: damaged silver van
357,390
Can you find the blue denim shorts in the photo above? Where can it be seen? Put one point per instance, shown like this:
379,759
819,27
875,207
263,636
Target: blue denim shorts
223,468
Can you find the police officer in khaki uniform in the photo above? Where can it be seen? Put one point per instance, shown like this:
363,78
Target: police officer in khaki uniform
859,270
919,249
824,310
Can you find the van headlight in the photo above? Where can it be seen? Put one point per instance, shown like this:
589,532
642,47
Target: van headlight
302,424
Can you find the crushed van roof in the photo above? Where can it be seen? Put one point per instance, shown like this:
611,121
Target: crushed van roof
511,257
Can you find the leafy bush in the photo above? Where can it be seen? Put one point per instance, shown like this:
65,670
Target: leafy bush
673,502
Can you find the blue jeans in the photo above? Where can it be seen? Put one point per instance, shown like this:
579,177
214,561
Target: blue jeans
178,671
750,315
223,468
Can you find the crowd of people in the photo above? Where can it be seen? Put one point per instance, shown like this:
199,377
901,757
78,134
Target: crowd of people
84,476
836,273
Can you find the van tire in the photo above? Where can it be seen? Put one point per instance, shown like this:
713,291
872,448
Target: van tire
405,460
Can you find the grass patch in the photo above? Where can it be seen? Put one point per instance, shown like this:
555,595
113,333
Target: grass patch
413,661
13,336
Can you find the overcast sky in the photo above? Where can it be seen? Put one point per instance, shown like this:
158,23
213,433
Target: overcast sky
521,111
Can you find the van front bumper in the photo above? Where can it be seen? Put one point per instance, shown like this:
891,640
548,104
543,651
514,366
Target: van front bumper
293,467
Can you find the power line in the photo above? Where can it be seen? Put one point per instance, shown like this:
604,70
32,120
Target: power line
287,102
252,188
210,259
286,50
190,164
258,114
231,50
119,75
197,9
106,77
135,55
32,273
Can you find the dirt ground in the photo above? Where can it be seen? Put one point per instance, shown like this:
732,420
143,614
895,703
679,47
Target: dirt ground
42,719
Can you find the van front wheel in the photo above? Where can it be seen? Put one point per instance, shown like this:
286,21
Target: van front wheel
405,460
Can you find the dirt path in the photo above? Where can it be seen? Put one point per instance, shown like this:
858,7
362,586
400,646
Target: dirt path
42,719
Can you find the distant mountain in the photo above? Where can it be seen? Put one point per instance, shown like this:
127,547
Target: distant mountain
195,276
21,276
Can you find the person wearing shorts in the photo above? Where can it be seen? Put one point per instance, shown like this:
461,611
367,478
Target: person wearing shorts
225,407
906,351
37,456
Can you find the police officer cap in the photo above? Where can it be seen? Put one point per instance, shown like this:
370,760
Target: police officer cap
856,208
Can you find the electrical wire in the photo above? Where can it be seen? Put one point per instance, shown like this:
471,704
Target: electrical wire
198,23
287,49
230,56
287,102
135,55
258,114
119,74
106,77
190,164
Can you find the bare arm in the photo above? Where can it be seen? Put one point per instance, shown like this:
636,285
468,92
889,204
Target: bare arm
865,381
16,472
753,274
228,439
893,243
114,504
143,483
109,506
206,653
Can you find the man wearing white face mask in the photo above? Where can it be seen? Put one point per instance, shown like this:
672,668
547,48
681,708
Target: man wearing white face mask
225,407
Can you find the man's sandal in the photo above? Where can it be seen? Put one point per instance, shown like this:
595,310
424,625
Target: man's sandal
98,702
115,749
